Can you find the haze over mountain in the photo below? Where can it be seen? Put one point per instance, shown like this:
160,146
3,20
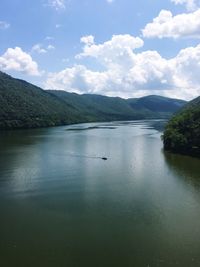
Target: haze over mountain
24,105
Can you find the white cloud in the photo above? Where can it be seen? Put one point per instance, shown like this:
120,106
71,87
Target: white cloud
110,1
186,67
4,25
87,40
39,49
17,60
57,4
120,46
167,25
125,73
191,5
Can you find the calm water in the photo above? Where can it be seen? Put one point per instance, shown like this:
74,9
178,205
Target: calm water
61,205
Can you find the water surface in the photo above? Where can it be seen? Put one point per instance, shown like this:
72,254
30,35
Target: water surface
62,205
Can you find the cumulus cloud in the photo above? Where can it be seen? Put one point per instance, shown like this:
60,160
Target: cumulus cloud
167,25
87,40
127,73
186,67
17,60
4,25
191,5
120,46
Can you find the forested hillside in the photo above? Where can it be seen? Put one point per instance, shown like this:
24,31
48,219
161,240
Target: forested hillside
182,133
97,107
24,105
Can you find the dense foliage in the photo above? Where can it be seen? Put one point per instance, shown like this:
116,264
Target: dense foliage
23,105
182,133
103,108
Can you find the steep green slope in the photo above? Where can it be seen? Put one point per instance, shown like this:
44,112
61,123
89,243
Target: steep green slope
182,133
24,105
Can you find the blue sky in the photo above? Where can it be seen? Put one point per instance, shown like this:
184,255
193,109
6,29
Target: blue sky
119,48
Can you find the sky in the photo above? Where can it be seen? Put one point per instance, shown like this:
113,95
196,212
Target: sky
120,48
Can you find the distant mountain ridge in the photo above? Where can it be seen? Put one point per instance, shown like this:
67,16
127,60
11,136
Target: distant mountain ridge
157,103
116,108
24,105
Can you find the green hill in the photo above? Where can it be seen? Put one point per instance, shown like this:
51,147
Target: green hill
158,104
24,105
100,108
182,133
97,107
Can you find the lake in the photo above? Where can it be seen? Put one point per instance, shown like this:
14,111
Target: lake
62,205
